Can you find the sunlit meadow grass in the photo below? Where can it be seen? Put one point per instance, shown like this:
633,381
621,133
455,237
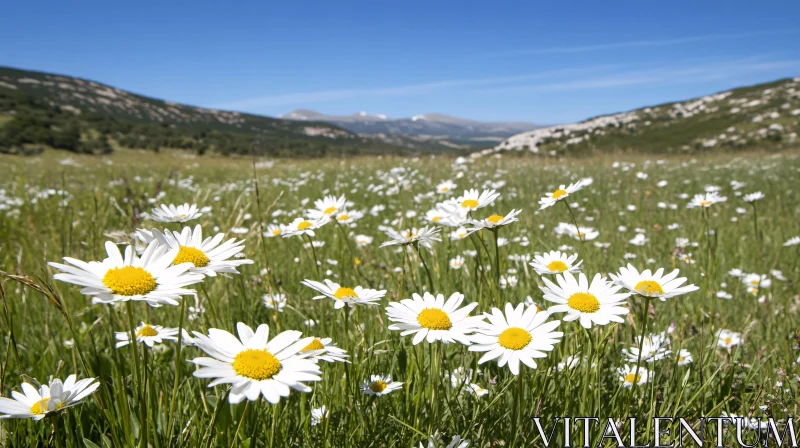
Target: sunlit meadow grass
50,329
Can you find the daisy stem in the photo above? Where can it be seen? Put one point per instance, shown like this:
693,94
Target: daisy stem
425,264
755,222
645,320
497,254
574,221
147,385
134,350
313,251
178,365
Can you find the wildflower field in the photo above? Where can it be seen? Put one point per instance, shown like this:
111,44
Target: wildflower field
393,302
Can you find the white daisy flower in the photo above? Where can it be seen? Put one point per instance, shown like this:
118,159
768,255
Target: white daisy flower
472,199
328,207
318,415
435,441
255,366
147,334
277,301
431,318
456,262
274,230
47,399
728,339
520,335
599,303
753,197
461,233
561,193
380,385
508,281
423,236
445,187
208,256
794,241
629,376
324,349
581,233
349,217
303,226
477,390
363,240
653,349
343,295
495,221
684,357
555,262
649,284
756,281
148,278
706,200
171,213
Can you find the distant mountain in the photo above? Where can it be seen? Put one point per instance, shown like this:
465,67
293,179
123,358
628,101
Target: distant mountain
760,116
430,128
41,109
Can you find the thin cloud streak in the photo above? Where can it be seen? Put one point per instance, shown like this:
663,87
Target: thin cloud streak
646,43
304,98
672,76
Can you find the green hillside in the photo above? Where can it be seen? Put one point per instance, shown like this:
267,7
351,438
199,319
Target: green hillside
40,110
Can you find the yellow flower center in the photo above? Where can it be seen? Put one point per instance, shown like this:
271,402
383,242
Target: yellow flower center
304,225
434,319
342,293
705,203
584,302
649,288
558,193
632,378
146,331
276,232
514,338
469,203
681,358
343,217
378,386
256,364
444,189
329,210
557,266
436,218
728,341
316,344
40,407
192,255
495,219
754,282
129,281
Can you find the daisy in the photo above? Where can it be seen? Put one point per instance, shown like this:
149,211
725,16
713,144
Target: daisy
363,240
171,213
325,350
117,279
48,399
349,217
496,221
472,200
521,334
581,233
508,281
684,358
318,415
755,282
599,303
477,390
652,285
274,302
147,334
753,197
629,376
435,215
555,262
303,226
435,441
653,349
380,385
255,366
794,241
327,207
423,236
343,295
208,256
728,339
431,318
561,193
274,230
457,262
445,187
706,200
461,233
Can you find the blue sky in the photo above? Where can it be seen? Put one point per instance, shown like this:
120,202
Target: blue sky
545,62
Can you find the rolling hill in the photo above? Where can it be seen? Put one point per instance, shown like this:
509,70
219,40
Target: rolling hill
763,115
41,109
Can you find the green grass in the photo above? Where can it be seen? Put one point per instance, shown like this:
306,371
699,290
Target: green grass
105,195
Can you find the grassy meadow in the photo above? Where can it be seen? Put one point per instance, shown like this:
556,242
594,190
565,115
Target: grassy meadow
59,205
